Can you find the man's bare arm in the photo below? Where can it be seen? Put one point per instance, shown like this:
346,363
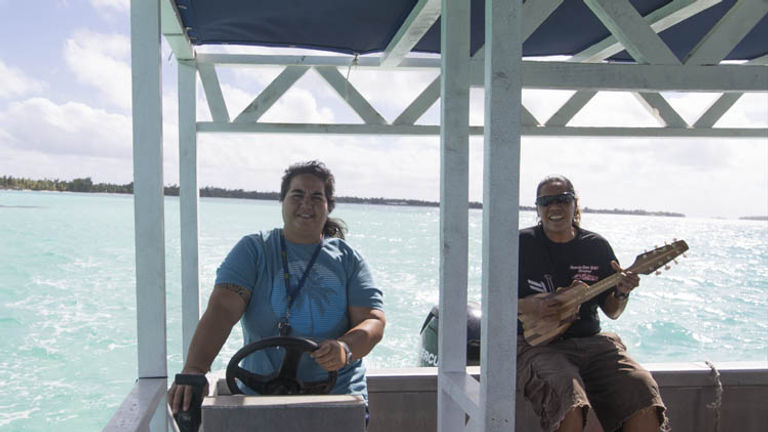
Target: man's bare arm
367,330
225,307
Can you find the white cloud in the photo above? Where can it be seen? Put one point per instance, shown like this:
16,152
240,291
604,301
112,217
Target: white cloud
15,82
389,167
41,139
751,110
542,104
256,78
614,109
363,166
697,177
390,93
299,105
112,5
235,97
102,61
308,101
36,165
40,125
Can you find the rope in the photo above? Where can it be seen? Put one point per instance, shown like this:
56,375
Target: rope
718,403
346,82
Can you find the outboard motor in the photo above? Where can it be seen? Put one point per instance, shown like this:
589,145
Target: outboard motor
429,331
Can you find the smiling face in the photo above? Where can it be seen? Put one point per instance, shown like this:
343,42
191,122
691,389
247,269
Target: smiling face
305,209
557,218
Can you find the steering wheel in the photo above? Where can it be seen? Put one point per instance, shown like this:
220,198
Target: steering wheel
283,382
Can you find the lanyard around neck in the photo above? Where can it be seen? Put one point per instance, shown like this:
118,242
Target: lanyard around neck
292,293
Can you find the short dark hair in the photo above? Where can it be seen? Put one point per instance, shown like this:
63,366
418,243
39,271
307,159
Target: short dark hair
333,227
562,179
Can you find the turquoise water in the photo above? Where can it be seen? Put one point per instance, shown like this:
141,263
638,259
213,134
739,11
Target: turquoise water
68,304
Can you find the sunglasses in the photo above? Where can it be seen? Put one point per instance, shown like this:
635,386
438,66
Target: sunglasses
563,198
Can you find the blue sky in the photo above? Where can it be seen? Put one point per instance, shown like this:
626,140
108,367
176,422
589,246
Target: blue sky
65,113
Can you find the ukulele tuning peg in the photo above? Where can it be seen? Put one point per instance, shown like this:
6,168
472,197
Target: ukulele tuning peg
666,267
685,256
674,261
658,272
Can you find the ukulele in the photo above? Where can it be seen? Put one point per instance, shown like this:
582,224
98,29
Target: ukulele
538,332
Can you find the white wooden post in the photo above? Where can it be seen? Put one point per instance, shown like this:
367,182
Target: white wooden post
501,184
149,228
188,201
148,187
454,207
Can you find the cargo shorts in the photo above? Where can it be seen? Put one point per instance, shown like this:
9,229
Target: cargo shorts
589,372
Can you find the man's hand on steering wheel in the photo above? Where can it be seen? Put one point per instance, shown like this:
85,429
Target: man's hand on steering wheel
330,355
283,381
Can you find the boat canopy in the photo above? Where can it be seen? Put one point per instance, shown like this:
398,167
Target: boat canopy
366,27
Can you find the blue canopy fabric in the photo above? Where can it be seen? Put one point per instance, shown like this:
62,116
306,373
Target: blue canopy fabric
367,26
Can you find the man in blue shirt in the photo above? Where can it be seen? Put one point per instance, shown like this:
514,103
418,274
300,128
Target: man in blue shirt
303,277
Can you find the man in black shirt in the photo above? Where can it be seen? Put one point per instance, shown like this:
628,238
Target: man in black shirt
582,368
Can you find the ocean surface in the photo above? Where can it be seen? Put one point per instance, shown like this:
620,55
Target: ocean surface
68,302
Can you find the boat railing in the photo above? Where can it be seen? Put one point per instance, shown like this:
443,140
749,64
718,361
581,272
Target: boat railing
699,396
144,408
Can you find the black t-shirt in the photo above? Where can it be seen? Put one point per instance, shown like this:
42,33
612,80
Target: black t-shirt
546,266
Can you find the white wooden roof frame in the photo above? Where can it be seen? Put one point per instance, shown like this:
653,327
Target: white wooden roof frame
657,70
419,21
500,70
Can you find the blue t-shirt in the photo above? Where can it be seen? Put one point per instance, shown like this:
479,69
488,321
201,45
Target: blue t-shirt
339,278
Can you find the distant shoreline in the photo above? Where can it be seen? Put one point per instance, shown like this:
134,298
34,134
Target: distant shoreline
755,218
86,185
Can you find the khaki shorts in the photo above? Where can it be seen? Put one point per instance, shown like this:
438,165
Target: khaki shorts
586,372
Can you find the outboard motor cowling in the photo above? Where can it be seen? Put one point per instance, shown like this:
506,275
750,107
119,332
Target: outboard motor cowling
429,336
